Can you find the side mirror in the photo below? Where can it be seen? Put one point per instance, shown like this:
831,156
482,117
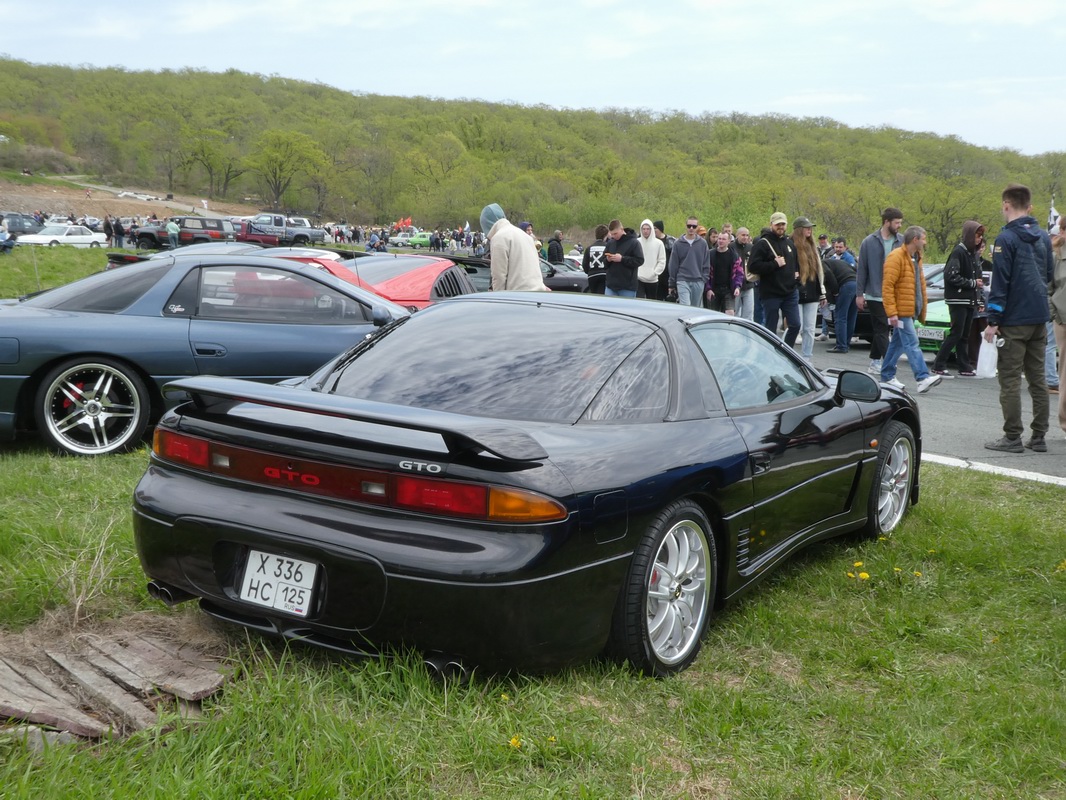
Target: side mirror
380,316
858,386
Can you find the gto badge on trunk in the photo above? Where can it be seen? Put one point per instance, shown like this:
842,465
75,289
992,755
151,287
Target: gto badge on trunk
421,466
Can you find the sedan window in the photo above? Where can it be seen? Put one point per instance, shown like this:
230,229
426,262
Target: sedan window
751,370
260,294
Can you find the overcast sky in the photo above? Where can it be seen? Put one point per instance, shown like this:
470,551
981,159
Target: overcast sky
991,73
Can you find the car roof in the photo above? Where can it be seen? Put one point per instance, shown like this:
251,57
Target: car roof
654,311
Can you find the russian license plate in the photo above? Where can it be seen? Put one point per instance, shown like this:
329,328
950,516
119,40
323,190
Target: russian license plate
278,582
930,333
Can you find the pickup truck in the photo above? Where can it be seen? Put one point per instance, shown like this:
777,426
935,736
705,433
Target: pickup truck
276,229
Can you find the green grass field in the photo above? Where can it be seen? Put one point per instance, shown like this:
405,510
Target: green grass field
929,664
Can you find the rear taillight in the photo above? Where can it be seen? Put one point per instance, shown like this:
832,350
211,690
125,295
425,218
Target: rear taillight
436,496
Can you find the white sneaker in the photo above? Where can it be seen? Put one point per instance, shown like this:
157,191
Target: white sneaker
821,337
928,383
875,367
897,383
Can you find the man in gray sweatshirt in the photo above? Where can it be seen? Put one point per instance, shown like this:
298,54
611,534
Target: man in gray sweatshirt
689,266
872,253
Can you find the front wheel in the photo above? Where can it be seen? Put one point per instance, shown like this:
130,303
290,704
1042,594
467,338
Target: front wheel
94,244
92,406
144,243
665,603
890,494
53,243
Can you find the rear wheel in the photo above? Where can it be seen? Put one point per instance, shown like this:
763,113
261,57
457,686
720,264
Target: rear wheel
53,243
91,407
94,244
890,494
666,600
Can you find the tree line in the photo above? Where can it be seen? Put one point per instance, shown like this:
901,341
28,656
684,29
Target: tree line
336,155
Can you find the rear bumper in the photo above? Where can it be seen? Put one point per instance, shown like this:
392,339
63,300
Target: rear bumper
499,599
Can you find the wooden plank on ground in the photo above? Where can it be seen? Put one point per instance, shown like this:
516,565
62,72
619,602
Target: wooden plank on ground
105,691
161,669
28,694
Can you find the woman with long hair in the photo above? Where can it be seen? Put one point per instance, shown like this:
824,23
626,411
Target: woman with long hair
811,282
1058,316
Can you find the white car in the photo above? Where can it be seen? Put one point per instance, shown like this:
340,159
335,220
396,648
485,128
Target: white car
54,235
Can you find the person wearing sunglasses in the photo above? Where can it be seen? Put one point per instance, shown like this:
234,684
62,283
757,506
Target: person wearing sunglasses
689,266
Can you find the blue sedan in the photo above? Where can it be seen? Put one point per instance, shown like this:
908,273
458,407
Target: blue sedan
84,363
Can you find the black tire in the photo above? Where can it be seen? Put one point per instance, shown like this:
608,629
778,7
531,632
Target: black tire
301,241
665,604
890,494
145,243
92,406
53,243
94,244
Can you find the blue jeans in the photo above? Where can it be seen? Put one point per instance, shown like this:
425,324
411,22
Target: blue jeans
690,293
776,307
845,314
1051,362
904,340
620,292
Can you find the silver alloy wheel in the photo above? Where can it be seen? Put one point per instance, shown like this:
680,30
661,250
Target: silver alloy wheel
93,408
677,601
895,490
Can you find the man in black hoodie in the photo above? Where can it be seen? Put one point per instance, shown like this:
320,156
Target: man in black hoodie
773,258
623,255
962,284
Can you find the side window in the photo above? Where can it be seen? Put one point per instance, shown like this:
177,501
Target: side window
261,294
750,370
193,224
639,390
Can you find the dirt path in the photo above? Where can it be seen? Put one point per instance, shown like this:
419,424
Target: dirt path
54,199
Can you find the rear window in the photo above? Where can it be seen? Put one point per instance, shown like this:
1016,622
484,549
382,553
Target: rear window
507,361
104,292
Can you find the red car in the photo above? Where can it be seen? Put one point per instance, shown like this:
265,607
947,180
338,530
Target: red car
409,280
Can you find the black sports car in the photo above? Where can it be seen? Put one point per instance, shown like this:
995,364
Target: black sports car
464,484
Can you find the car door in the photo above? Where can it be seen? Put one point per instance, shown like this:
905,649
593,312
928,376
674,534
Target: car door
803,448
267,323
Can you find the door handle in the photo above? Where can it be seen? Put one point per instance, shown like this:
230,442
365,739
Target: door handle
760,463
209,350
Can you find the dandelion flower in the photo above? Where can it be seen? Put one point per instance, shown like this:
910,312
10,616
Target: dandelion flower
515,742
505,697
1061,567
896,569
882,538
551,740
932,551
857,564
917,574
851,574
864,576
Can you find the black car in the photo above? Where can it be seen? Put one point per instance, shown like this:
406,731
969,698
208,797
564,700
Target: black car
557,277
469,484
17,224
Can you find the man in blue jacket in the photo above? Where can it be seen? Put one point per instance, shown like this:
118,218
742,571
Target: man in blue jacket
1023,268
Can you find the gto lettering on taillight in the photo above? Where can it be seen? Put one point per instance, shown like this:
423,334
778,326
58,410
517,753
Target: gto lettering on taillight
421,466
306,478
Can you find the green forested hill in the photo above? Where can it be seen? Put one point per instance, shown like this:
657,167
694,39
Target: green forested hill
333,154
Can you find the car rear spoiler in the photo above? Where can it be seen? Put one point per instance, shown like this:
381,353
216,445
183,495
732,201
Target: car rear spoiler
460,432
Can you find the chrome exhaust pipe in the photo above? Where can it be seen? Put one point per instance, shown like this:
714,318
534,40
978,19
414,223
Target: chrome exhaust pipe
168,595
444,669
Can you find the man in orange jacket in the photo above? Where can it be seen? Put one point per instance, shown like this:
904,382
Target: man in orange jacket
903,292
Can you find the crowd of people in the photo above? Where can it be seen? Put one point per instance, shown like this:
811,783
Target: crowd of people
782,281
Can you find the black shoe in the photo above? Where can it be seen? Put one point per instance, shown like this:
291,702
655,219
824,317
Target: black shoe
835,350
1037,444
1006,445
